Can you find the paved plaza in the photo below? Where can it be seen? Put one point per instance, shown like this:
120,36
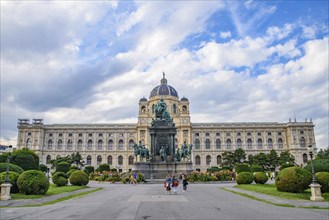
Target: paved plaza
149,201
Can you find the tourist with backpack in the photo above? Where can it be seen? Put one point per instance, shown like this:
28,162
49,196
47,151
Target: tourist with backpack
167,184
175,183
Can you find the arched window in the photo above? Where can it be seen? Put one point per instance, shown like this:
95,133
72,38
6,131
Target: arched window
280,143
29,143
131,160
109,160
302,142
120,160
153,108
50,144
259,143
90,144
88,160
120,144
197,160
249,143
79,144
59,144
219,159
143,110
100,145
269,143
176,143
239,143
207,144
174,109
218,144
110,145
208,160
184,109
131,144
99,159
304,158
69,144
228,144
197,144
48,159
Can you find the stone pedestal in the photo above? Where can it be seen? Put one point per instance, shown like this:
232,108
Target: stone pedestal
316,192
5,191
159,170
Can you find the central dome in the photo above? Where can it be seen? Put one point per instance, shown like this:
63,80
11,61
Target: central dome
164,89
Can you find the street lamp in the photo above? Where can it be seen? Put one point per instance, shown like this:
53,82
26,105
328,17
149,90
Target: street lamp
8,150
315,187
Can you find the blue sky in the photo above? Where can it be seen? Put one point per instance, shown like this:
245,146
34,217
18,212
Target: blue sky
236,61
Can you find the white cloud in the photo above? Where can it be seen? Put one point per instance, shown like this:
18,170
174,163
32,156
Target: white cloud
226,34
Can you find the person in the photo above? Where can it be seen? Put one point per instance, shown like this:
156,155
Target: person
167,184
185,183
174,184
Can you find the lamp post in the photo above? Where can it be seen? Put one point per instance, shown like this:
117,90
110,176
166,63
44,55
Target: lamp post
315,186
5,187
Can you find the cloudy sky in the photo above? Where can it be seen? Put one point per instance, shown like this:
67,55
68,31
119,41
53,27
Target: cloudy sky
236,61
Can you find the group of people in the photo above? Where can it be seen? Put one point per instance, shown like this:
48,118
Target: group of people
173,183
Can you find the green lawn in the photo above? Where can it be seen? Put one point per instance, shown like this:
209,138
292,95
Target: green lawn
270,189
53,190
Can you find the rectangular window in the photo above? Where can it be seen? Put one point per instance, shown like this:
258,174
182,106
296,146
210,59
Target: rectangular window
228,133
100,135
90,134
207,134
197,134
269,133
217,134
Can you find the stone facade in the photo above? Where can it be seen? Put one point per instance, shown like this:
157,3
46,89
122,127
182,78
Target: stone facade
112,143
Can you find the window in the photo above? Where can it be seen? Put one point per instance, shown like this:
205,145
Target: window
301,132
219,159
29,143
238,134
50,135
69,144
110,145
280,143
90,134
218,144
207,144
48,159
109,160
228,133
131,144
217,134
120,144
184,109
239,143
100,145
269,133
228,144
197,134
259,143
153,107
59,144
99,159
197,160
259,133
88,160
249,143
207,134
79,144
269,143
197,144
90,144
80,135
120,160
279,133
304,158
174,109
100,135
176,143
70,134
208,160
131,160
302,142
60,135
50,144
29,134
248,133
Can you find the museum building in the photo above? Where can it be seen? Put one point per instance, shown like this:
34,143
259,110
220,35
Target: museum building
113,143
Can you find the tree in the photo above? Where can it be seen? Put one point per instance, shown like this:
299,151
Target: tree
273,159
286,157
261,159
26,159
54,162
76,159
323,154
239,155
250,159
228,159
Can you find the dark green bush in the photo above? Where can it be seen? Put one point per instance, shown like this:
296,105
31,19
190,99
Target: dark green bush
323,180
79,178
12,177
213,169
73,167
244,178
283,166
260,178
26,159
103,167
256,168
68,174
242,167
33,182
43,168
320,165
293,179
12,167
60,179
114,170
90,169
62,167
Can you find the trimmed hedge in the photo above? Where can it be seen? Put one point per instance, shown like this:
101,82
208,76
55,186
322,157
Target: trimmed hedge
323,180
283,166
12,177
244,178
33,182
256,168
79,178
320,165
26,159
293,179
213,169
60,179
43,168
89,169
68,174
103,167
63,167
242,167
12,167
260,178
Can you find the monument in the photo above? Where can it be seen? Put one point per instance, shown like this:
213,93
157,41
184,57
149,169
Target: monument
162,158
